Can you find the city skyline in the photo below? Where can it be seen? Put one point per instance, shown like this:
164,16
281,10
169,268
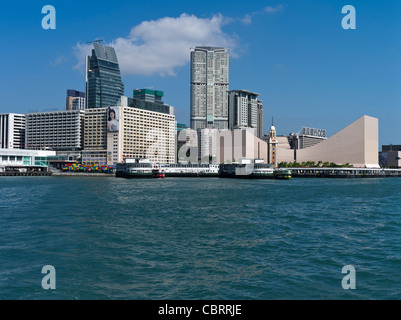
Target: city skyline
308,70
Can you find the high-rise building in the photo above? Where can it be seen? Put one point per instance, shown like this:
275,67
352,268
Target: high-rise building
245,110
12,131
128,130
260,119
103,79
55,130
209,88
75,100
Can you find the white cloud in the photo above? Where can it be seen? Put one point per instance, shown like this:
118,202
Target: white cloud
59,60
80,51
275,9
247,19
160,46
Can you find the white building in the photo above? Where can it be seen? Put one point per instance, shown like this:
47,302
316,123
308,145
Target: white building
227,146
122,131
357,144
209,87
12,131
55,130
24,158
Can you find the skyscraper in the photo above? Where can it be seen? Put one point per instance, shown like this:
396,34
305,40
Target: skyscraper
103,79
209,88
245,110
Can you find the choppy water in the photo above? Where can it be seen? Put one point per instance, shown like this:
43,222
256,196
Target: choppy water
194,238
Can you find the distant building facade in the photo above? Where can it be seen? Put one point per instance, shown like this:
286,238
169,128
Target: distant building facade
272,149
149,95
228,146
357,144
55,130
260,119
209,87
75,100
391,147
12,131
24,158
150,100
245,110
138,133
390,156
95,137
103,84
181,126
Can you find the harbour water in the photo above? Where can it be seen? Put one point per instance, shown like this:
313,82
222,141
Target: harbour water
194,238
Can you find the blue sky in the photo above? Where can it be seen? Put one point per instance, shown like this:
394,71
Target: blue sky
308,70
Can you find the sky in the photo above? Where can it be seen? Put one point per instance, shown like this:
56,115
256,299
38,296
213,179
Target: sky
308,70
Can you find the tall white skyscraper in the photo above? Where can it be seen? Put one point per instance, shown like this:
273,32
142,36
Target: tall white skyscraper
209,87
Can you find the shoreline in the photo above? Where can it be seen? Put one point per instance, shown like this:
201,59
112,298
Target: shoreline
85,174
354,173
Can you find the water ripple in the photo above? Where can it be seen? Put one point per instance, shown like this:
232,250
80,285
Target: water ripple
199,238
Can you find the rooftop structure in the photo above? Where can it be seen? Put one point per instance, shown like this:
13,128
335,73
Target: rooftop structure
149,95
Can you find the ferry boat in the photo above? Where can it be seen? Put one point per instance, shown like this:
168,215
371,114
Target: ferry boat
134,168
191,170
142,168
130,169
282,174
247,171
158,174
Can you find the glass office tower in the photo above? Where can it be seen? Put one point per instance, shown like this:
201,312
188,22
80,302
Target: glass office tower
103,79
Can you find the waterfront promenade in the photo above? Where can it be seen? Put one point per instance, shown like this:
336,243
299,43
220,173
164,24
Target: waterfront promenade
344,172
295,173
